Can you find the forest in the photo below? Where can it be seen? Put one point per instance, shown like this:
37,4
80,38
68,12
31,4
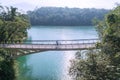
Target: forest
58,16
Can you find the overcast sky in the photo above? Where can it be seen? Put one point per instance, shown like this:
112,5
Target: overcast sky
32,4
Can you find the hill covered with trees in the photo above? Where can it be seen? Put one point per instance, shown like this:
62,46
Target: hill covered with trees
65,16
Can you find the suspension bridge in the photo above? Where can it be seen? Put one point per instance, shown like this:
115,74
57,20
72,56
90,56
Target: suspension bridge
34,46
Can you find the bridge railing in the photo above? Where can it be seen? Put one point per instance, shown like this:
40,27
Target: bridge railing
60,42
52,44
78,41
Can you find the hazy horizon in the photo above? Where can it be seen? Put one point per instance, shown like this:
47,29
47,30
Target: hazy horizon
26,5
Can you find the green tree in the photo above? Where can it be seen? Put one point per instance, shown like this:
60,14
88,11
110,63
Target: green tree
13,28
95,66
65,16
102,64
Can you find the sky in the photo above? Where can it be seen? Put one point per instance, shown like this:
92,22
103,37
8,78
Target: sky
32,4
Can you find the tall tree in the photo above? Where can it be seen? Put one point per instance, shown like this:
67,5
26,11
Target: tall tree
102,64
13,28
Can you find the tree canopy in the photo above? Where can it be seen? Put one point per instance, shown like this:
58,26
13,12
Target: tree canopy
102,63
13,27
65,16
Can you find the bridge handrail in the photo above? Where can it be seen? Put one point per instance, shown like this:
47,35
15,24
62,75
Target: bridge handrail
52,40
75,41
62,40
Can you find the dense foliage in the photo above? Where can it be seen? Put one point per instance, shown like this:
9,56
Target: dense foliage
13,27
102,63
65,16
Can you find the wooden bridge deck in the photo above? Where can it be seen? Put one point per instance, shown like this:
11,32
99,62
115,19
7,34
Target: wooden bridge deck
48,45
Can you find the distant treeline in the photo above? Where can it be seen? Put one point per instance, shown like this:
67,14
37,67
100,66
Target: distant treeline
65,16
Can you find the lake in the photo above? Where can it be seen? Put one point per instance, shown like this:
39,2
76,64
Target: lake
52,65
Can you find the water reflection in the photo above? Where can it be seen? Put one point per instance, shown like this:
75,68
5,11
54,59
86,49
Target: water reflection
50,68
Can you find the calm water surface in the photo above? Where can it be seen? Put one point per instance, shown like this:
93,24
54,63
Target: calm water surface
52,65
